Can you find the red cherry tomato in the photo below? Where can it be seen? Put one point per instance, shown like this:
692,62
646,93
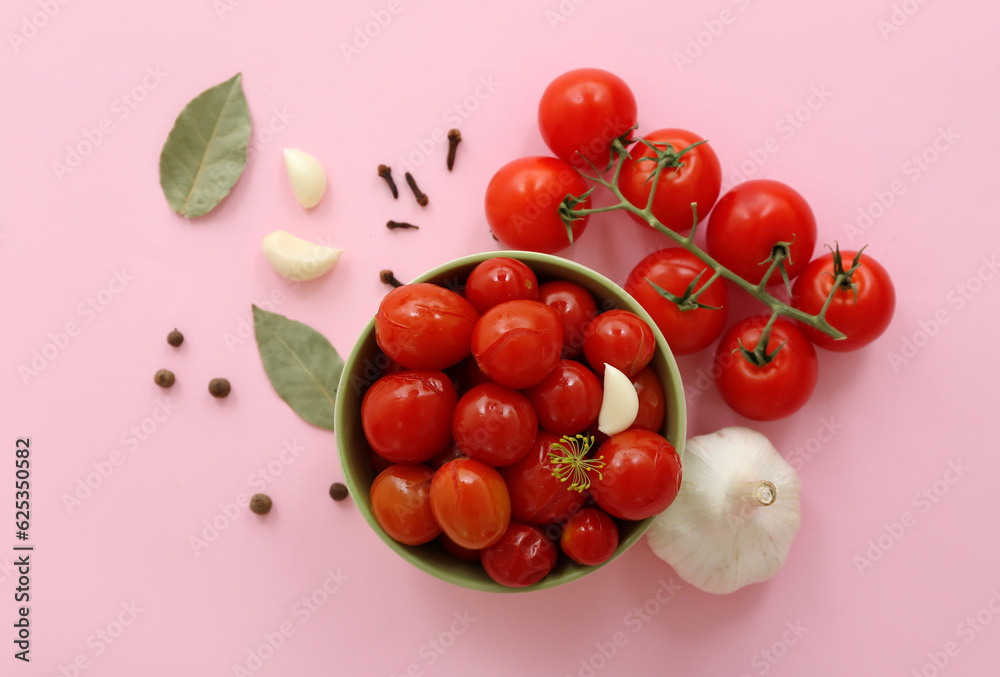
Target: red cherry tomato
494,424
406,416
641,476
620,338
652,401
686,331
523,556
589,537
862,313
500,279
576,308
751,219
582,112
772,391
517,343
536,495
568,400
424,326
470,503
400,498
450,453
522,204
697,179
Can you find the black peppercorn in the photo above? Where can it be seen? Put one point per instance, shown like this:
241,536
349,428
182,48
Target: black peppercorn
219,387
260,504
338,491
164,378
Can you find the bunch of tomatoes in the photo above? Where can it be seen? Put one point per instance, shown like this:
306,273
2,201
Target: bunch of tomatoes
534,203
481,427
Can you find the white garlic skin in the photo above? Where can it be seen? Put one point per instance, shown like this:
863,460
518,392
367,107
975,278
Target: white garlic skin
619,404
713,536
307,177
298,259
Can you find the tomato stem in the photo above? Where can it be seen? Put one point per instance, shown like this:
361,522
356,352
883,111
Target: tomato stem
757,291
569,462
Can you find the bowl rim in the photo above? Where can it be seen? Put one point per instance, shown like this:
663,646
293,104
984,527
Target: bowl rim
361,493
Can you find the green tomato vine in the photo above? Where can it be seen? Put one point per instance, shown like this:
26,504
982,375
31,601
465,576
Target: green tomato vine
667,158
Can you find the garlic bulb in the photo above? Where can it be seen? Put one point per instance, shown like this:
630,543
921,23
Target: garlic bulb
735,516
298,259
307,177
620,404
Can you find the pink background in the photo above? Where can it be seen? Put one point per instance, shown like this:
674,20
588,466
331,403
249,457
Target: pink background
899,426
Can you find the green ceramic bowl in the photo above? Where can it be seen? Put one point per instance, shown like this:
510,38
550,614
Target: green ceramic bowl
361,369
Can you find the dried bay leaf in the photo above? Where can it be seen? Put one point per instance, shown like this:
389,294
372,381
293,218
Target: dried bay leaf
303,367
206,150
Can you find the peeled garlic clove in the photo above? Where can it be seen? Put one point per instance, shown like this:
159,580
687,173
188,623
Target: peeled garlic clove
307,177
735,516
298,259
620,405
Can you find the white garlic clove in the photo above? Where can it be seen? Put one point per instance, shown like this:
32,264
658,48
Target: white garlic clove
734,519
298,259
620,404
307,177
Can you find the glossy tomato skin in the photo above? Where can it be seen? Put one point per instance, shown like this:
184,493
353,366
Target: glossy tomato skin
641,476
424,326
589,537
495,425
581,112
536,496
699,179
673,269
406,416
863,318
568,400
517,343
400,498
621,339
754,216
523,556
470,503
454,549
652,401
522,203
576,308
500,279
779,388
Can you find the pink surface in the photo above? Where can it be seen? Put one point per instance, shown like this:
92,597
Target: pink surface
828,97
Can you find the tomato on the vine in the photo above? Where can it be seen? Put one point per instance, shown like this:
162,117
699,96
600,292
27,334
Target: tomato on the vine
581,112
673,270
576,308
621,339
862,310
690,173
522,556
400,497
406,416
641,475
470,503
494,424
589,537
751,219
517,343
522,204
568,400
773,390
425,326
500,279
